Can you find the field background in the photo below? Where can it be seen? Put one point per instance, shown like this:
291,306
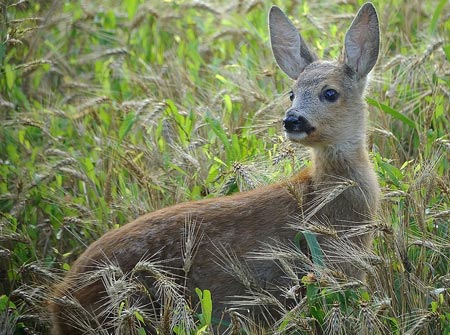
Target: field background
111,109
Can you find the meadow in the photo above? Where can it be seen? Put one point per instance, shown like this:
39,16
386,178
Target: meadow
112,109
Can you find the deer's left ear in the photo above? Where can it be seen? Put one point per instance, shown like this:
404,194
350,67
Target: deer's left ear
362,41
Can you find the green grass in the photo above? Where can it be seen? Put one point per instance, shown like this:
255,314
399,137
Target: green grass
113,109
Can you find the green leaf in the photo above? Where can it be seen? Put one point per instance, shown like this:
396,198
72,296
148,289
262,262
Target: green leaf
235,145
202,331
220,133
139,316
2,52
365,296
389,110
437,13
126,125
218,160
394,173
172,106
221,78
206,304
110,19
131,7
447,51
121,307
228,103
10,76
434,306
318,313
314,247
90,170
13,155
3,302
299,237
439,111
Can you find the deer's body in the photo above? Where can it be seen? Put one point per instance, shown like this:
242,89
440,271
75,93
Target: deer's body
329,115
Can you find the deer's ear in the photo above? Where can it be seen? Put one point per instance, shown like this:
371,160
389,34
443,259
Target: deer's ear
362,41
290,50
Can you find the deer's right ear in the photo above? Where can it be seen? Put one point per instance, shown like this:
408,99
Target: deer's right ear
290,50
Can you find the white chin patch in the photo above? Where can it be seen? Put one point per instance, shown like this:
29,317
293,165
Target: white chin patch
296,136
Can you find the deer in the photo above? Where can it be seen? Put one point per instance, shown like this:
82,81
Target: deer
328,114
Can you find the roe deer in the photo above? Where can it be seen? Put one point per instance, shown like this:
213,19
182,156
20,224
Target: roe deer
328,114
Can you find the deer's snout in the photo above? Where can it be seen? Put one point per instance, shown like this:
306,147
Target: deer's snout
298,124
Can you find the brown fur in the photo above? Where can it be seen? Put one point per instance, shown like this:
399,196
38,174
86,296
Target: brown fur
241,223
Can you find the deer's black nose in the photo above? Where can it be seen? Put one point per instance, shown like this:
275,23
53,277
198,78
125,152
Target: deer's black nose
297,124
291,123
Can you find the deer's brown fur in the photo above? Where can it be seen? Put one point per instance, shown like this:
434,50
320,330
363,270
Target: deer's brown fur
241,223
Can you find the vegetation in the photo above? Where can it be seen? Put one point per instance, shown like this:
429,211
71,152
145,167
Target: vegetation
113,109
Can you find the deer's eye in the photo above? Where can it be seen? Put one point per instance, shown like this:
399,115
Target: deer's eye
330,95
291,95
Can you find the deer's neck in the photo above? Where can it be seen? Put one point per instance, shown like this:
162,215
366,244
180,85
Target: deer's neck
348,166
338,162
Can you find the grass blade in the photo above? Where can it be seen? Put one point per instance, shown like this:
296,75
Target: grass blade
388,110
314,247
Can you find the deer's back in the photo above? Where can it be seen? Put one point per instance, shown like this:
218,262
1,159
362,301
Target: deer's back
239,223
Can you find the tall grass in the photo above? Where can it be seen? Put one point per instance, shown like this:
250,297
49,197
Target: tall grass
113,109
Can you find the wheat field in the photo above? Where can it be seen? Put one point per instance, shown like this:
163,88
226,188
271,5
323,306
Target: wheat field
112,109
